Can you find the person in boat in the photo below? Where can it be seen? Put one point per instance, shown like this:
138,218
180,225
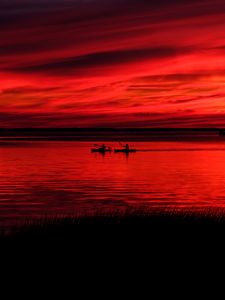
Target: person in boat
127,148
103,148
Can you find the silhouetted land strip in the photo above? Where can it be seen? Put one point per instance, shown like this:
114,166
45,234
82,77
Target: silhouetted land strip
117,229
108,134
106,247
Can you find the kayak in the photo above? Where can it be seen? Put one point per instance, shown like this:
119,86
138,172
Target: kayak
125,151
100,150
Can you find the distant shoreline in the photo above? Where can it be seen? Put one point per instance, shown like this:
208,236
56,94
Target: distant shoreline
109,134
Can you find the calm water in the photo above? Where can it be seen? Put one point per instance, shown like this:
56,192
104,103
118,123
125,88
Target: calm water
48,178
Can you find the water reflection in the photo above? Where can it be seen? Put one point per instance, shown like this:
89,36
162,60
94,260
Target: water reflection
63,177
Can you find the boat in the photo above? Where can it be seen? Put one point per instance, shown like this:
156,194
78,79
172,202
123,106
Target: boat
93,150
125,150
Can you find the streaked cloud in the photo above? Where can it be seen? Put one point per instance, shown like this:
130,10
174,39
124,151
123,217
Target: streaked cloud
112,63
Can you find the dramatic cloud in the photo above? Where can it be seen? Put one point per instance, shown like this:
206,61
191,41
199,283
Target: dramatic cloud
118,63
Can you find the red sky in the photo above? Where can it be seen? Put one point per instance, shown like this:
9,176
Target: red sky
120,63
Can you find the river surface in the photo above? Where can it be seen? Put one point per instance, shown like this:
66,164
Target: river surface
54,178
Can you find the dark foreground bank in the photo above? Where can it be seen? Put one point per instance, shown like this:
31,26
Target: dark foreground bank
117,229
113,247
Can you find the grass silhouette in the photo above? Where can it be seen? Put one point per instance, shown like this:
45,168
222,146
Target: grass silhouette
118,227
150,240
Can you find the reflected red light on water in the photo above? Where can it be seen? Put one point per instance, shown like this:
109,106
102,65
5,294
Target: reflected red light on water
50,178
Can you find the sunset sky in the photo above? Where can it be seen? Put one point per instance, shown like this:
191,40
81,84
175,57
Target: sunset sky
112,63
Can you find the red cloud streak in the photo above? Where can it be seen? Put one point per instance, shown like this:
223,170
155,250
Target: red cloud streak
121,63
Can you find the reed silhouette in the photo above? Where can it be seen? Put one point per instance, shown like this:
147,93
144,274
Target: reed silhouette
157,227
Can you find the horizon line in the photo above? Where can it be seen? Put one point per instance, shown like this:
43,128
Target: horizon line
114,128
